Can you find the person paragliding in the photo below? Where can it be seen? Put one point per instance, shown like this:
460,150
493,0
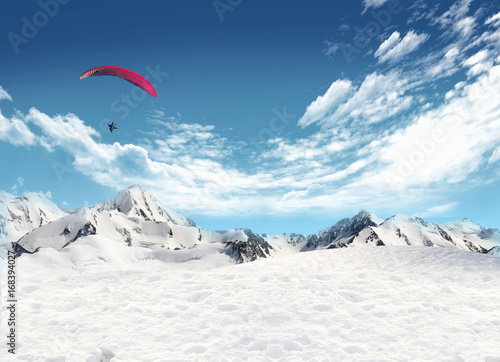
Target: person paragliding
112,126
130,76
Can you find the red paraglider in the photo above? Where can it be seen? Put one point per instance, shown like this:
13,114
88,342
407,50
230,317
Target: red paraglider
123,73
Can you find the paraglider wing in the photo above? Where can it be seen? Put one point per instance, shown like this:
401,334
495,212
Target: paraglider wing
126,74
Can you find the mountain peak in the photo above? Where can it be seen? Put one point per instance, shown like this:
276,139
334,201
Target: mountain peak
135,188
403,218
359,221
136,201
367,215
22,214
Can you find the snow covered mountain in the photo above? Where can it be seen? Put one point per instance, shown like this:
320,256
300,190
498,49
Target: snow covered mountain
342,232
133,217
366,229
136,218
20,215
413,231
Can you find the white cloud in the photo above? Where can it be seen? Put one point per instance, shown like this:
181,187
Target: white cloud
437,210
465,26
188,181
379,97
477,58
4,94
173,139
495,157
344,27
418,11
478,63
67,132
494,20
442,146
367,4
455,20
338,92
394,49
314,150
457,11
331,48
491,38
446,66
19,183
47,194
391,42
449,143
15,131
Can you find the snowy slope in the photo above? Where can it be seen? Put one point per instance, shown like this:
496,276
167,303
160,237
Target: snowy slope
286,244
21,214
365,304
472,235
495,251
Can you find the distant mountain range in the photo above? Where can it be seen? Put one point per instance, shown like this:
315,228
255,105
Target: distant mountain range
136,218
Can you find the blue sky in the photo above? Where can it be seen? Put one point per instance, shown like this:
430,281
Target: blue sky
277,116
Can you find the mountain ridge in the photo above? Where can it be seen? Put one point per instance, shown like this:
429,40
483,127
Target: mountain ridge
136,218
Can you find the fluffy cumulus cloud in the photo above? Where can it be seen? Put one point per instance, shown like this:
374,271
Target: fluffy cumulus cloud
438,145
395,48
478,63
433,150
4,94
15,131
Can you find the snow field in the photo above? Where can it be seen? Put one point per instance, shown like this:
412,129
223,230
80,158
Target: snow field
384,303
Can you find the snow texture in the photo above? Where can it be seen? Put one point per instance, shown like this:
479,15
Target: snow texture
98,300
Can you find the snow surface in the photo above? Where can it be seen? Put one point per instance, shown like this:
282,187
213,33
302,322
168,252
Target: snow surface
99,300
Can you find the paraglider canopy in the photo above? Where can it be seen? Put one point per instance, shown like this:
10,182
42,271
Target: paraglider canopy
128,75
